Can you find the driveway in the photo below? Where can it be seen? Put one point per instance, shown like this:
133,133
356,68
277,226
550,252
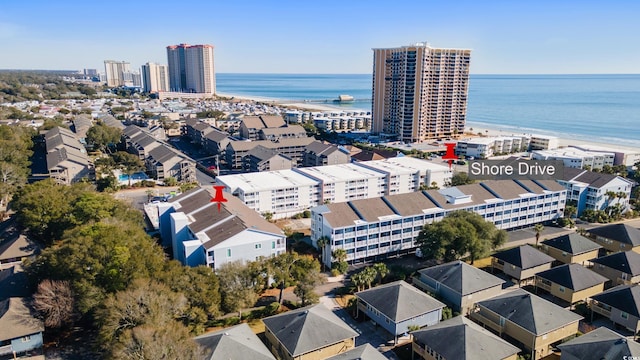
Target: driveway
369,334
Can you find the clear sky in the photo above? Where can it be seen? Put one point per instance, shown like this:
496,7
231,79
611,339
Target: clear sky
314,36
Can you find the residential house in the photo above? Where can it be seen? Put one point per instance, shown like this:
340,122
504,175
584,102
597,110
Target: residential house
262,159
66,158
290,147
599,344
252,124
571,248
16,247
362,352
309,333
319,154
20,329
570,282
617,237
196,130
460,338
216,141
397,306
521,263
237,342
621,268
81,124
201,233
527,321
163,162
621,305
374,154
458,284
139,142
14,282
589,189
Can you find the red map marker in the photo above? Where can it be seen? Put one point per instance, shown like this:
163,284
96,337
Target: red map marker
219,198
451,153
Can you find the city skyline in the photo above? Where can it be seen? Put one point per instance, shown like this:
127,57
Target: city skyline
541,37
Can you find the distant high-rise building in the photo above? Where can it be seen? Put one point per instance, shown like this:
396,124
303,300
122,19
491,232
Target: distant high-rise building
419,92
115,72
155,77
191,68
90,72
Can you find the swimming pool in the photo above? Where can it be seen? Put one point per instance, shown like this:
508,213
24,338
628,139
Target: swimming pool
134,176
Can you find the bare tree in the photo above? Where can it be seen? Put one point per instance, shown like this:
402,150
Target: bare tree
171,341
54,301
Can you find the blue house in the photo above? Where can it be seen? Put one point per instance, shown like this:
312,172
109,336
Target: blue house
20,331
398,305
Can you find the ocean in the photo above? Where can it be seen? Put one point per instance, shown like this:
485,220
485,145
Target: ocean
602,108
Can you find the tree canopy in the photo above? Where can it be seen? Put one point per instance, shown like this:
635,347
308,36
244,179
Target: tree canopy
101,136
459,234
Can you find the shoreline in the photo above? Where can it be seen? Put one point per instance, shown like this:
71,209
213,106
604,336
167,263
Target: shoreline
485,129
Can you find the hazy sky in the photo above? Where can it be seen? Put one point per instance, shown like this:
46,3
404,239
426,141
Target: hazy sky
313,36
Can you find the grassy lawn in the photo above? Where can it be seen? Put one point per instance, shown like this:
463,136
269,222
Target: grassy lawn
257,326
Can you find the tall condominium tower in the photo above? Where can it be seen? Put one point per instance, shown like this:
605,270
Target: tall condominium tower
420,93
155,77
191,68
115,72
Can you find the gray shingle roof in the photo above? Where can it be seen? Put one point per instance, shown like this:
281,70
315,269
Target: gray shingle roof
600,344
461,339
461,277
524,257
573,243
17,320
573,276
530,312
623,233
399,301
627,262
309,328
237,342
362,352
622,297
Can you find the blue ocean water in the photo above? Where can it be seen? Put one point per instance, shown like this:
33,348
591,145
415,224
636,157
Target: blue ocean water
603,108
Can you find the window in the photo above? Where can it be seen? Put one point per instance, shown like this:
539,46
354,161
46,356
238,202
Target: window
561,288
624,315
273,244
228,252
26,338
258,246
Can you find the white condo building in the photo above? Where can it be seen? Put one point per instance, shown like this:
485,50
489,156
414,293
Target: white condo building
285,193
117,73
485,147
155,77
370,229
591,190
544,142
576,158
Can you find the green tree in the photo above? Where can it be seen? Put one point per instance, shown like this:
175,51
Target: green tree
459,234
282,266
215,114
307,275
339,263
238,287
322,244
103,137
461,178
128,163
381,271
15,151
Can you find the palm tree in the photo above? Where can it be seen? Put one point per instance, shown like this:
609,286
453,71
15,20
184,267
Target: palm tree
381,271
369,275
322,244
358,281
339,255
538,229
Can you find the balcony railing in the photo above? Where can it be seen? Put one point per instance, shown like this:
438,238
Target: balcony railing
487,322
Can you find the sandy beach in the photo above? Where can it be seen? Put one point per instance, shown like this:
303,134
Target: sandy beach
301,105
472,131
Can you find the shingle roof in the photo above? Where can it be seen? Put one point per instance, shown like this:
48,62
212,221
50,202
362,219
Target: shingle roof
623,233
572,243
14,282
17,320
341,215
409,203
461,277
530,312
601,344
399,301
262,153
237,342
622,297
17,246
371,209
362,352
461,339
307,329
524,257
627,262
573,276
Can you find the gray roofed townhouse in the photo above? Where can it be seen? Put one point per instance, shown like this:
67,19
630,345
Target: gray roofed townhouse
572,276
310,329
461,339
620,268
237,342
600,344
572,243
362,352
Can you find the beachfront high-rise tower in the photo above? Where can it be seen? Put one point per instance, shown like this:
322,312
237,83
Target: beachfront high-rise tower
420,92
155,77
116,72
191,68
